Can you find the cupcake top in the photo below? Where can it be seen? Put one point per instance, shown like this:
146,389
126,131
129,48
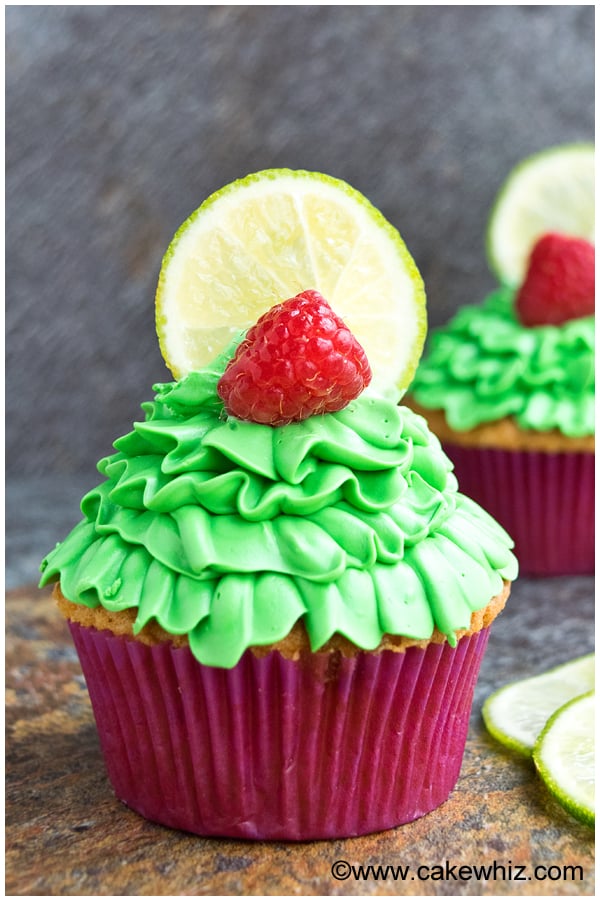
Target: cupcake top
526,353
485,364
230,531
279,481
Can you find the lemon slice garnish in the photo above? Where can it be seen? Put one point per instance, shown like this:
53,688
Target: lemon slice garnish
551,191
271,235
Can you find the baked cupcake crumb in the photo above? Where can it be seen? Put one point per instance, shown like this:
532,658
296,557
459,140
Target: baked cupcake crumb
503,433
293,646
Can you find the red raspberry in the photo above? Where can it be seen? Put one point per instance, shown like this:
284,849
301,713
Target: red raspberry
299,359
560,281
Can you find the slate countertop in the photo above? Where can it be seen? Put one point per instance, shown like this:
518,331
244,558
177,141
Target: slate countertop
68,835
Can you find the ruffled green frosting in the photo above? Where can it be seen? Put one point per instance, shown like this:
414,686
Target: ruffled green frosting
485,365
230,532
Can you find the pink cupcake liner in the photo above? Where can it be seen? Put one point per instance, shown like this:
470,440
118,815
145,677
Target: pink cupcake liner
323,747
545,501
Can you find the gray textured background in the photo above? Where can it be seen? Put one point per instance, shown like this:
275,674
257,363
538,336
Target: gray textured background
121,120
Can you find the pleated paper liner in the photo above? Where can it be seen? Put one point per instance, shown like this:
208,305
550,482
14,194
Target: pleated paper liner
323,747
545,501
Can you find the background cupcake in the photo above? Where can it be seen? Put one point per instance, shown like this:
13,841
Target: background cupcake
508,385
279,597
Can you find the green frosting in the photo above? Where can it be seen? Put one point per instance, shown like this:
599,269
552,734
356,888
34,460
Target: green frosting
485,365
230,532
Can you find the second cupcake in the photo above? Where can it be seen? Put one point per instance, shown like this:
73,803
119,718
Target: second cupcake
508,386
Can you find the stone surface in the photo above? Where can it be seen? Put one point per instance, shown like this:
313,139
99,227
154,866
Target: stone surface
121,120
68,835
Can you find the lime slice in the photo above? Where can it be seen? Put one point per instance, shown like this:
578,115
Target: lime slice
271,235
549,191
564,755
516,714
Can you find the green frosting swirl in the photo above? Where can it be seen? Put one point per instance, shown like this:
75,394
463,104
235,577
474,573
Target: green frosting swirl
485,365
229,531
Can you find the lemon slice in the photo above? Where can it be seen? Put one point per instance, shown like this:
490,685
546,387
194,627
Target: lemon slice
564,755
549,191
271,235
516,714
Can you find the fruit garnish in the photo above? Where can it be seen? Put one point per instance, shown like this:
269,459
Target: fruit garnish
298,360
560,281
272,235
551,191
564,756
516,714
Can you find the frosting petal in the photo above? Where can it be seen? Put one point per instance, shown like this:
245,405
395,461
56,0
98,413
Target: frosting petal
485,365
229,532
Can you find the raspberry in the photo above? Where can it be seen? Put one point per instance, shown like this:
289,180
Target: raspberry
560,281
298,360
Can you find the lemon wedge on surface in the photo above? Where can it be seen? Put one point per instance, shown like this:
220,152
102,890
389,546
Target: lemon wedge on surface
516,713
564,755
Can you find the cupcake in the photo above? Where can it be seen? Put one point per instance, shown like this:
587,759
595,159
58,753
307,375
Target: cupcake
508,384
278,595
